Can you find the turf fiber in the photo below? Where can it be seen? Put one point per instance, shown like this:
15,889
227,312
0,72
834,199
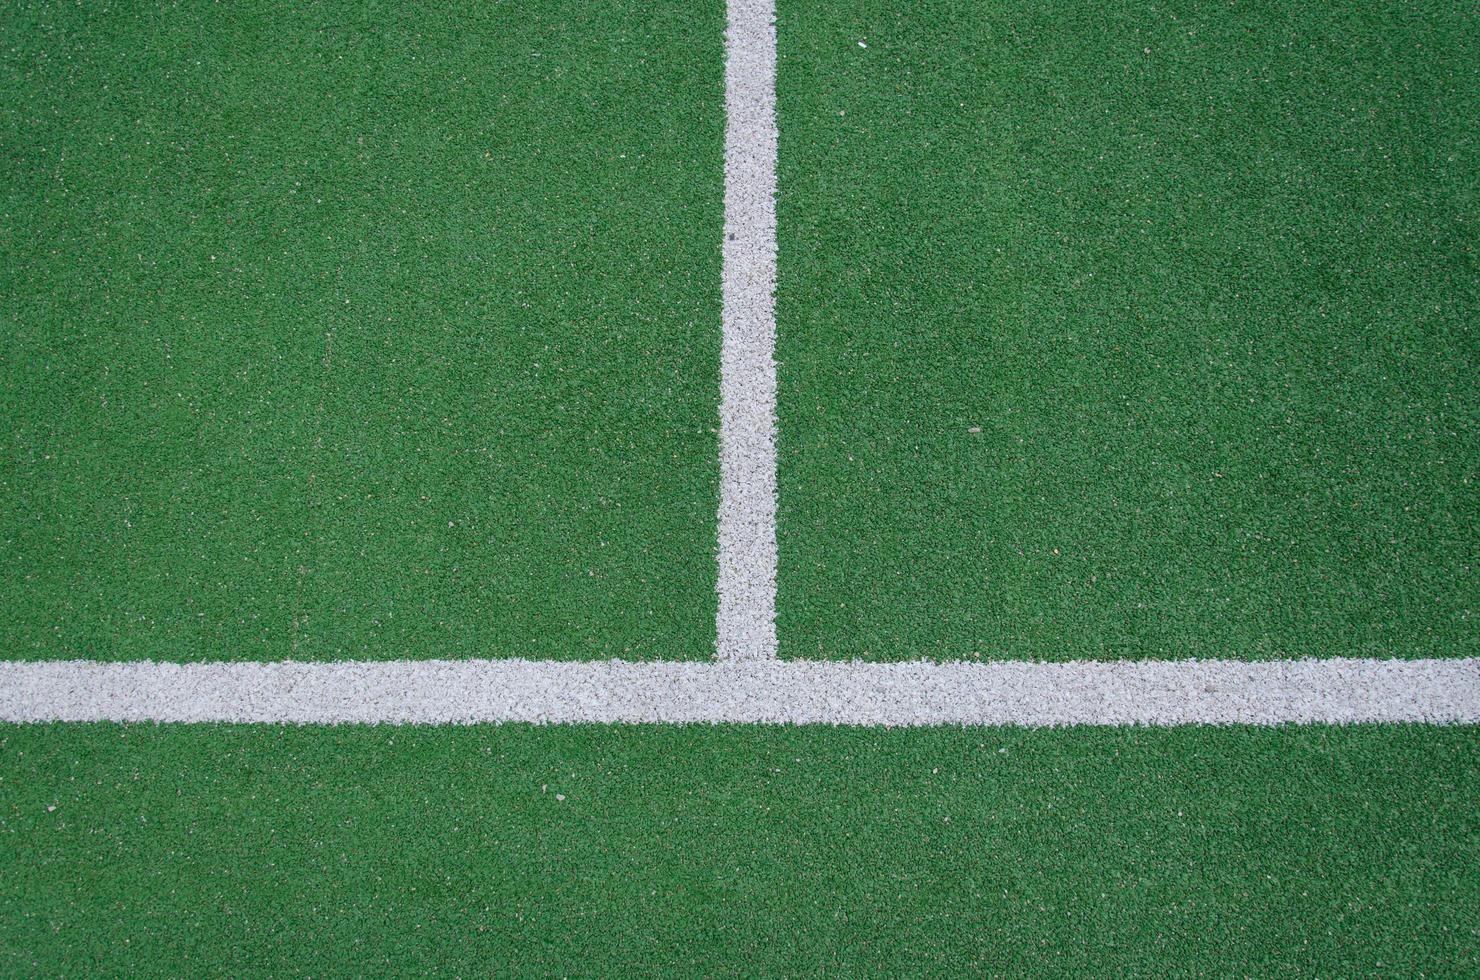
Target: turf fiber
370,331
183,850
1127,330
391,331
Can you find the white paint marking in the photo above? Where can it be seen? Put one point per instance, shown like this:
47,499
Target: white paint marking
748,685
1182,692
746,624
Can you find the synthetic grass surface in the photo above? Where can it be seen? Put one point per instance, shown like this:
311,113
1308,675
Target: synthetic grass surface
1128,330
184,850
375,331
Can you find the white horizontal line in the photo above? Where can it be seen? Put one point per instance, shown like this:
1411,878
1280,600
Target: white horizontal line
797,692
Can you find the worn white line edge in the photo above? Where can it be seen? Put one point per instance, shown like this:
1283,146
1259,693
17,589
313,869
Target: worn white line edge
1183,692
746,621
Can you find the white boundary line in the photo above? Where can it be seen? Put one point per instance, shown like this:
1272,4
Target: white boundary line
748,685
1181,692
746,622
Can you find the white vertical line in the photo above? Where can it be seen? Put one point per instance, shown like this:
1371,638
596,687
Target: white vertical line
746,626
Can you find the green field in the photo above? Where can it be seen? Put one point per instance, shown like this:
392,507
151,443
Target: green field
372,332
393,332
754,851
1128,330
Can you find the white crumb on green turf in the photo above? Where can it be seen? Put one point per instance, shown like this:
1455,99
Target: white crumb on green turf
746,622
1336,691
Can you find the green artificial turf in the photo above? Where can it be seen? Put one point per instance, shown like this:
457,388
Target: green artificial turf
1128,330
391,331
196,850
379,330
